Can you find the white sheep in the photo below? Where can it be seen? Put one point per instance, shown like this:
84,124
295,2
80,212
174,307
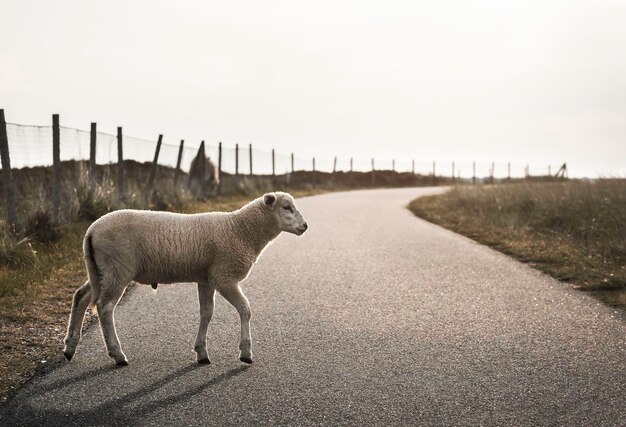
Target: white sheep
216,250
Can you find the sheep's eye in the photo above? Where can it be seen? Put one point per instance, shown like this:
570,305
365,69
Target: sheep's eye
288,208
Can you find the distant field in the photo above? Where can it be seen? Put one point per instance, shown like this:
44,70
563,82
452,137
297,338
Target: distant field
573,230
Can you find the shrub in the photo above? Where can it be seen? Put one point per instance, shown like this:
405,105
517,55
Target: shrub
17,253
41,227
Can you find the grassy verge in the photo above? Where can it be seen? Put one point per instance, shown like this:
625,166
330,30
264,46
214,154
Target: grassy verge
574,231
36,292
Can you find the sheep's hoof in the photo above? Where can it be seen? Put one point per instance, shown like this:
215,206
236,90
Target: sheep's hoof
122,363
68,355
204,361
246,360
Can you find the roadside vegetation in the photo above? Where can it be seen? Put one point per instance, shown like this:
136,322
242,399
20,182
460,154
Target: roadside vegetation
572,230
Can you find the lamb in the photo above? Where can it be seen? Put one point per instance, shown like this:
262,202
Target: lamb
216,250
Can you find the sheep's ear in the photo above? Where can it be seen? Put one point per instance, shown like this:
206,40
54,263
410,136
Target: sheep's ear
269,199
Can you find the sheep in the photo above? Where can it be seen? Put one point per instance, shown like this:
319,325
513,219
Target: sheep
204,176
215,250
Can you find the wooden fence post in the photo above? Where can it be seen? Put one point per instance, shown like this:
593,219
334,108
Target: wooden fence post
250,155
56,168
351,169
273,163
236,159
453,174
314,180
562,172
7,176
178,161
373,177
120,164
335,165
219,167
393,165
153,169
474,172
493,171
549,170
413,166
92,155
292,169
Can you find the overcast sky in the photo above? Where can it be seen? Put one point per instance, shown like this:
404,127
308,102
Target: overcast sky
528,81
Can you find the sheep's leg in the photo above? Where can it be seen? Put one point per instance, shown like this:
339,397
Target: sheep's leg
236,297
81,300
206,298
106,307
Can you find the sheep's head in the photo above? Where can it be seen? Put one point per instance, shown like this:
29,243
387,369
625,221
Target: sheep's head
284,208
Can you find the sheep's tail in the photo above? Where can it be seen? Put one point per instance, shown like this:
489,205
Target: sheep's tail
92,270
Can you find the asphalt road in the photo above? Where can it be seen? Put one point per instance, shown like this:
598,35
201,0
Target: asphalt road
372,317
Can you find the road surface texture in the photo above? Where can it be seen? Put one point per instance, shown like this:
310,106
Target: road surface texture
373,317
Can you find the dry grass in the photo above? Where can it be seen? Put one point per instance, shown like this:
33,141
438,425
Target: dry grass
16,252
573,230
33,303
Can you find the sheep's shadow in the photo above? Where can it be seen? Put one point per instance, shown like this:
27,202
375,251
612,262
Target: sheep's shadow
66,382
118,410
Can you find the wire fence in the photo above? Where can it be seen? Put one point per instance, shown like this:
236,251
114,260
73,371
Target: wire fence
26,146
31,146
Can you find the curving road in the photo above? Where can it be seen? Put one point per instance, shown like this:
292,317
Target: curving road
372,317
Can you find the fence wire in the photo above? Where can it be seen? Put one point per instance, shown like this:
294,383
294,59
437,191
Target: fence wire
31,146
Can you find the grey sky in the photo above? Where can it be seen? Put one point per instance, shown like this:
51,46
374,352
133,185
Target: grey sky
528,81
